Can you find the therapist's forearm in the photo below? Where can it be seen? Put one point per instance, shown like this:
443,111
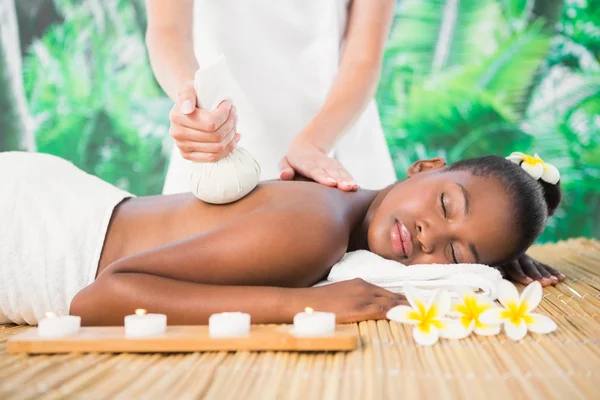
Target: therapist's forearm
172,58
350,93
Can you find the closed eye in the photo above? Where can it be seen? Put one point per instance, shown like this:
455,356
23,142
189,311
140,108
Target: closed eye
443,206
453,254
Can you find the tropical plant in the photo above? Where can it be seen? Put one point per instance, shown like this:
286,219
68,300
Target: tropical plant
460,79
93,96
477,77
15,133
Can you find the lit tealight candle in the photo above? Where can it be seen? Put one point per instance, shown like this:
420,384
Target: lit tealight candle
58,325
142,324
229,324
313,323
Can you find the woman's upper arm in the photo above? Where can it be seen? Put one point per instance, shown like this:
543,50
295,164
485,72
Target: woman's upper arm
368,27
174,15
276,248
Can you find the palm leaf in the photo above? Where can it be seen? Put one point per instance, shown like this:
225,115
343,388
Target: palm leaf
431,35
459,108
512,70
92,93
563,121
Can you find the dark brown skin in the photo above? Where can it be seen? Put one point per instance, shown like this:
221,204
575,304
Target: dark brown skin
179,256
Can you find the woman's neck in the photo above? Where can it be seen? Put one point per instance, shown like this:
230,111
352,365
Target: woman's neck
359,236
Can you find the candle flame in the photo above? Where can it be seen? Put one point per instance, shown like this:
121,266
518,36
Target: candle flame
308,310
50,315
140,311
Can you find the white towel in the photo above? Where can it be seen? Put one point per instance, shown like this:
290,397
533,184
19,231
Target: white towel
53,219
392,275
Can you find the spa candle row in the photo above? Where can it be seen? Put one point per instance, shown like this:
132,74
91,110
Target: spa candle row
227,324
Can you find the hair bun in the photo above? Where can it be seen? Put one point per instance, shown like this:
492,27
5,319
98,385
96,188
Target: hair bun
552,195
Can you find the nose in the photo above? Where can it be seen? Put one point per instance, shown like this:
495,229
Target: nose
428,237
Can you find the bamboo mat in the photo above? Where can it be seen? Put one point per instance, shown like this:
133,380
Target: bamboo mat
561,365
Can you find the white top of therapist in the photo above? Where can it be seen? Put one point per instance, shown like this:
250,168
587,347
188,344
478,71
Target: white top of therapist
308,70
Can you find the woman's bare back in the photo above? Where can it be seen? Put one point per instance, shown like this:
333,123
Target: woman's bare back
142,224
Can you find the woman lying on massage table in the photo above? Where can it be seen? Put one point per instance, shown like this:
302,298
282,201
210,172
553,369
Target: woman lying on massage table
188,259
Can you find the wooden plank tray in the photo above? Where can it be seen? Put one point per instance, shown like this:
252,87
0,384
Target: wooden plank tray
182,339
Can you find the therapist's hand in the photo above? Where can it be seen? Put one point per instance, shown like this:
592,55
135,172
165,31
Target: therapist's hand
307,159
200,135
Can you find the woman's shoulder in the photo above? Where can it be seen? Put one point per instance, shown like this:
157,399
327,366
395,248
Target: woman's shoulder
327,203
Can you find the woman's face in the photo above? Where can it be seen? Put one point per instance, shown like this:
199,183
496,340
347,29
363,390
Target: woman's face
443,217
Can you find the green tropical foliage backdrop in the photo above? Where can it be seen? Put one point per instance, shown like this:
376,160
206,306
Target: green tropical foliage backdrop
460,78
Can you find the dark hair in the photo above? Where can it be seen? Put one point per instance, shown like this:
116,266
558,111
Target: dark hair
534,200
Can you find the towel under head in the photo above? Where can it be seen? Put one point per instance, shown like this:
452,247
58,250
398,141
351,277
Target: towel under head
393,275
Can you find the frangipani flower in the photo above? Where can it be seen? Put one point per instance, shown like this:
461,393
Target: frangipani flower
516,314
468,310
427,318
536,167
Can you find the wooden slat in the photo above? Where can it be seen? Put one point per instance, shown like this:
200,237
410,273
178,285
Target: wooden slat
387,363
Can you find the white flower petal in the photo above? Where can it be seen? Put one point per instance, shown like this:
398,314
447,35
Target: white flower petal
541,324
507,292
531,296
454,329
491,316
486,300
550,174
426,338
516,157
440,302
488,330
515,331
535,170
402,314
464,292
412,296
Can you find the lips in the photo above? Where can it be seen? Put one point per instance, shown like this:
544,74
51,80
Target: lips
401,240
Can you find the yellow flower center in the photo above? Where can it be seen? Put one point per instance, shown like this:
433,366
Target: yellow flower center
427,318
471,310
532,160
516,312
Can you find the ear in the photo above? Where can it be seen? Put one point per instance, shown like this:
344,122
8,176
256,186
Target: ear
425,165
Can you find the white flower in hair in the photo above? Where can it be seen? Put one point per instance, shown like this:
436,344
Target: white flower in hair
536,167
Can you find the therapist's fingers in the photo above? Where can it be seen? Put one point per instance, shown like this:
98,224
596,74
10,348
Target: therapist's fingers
343,178
201,121
348,178
224,112
186,98
212,157
222,135
183,134
287,172
318,174
187,146
341,181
